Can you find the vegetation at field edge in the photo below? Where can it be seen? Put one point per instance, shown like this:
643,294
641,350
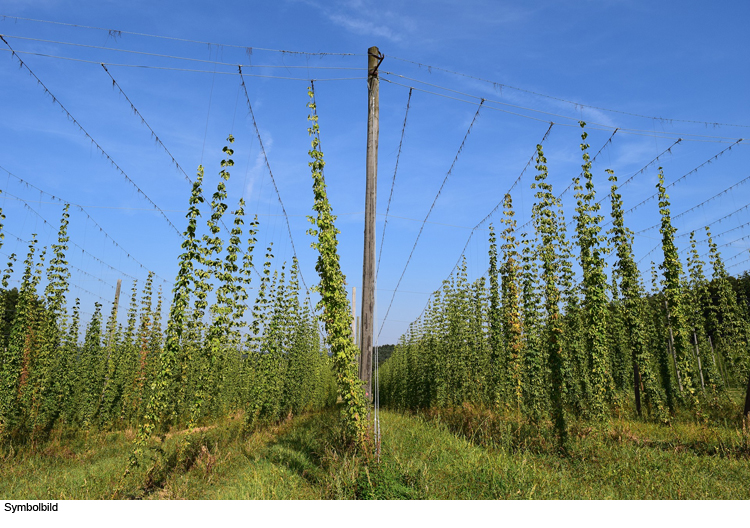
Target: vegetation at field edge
465,454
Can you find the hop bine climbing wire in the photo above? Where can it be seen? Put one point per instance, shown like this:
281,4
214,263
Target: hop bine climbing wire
164,147
270,174
681,178
500,204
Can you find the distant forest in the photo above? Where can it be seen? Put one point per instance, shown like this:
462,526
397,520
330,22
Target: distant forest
384,352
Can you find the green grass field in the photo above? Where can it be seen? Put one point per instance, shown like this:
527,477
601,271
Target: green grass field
421,458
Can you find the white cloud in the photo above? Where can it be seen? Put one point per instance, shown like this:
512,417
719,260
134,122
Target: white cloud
258,170
365,18
363,27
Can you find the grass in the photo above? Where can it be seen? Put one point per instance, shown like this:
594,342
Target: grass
81,467
422,457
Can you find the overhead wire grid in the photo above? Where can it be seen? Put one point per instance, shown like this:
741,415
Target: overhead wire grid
395,78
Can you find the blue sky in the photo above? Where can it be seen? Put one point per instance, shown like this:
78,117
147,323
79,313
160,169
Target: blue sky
613,64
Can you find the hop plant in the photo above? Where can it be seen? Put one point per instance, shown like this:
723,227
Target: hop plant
334,301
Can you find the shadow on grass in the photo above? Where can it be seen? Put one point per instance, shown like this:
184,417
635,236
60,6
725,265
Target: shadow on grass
315,449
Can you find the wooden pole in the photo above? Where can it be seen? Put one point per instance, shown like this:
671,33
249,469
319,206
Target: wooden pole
368,268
